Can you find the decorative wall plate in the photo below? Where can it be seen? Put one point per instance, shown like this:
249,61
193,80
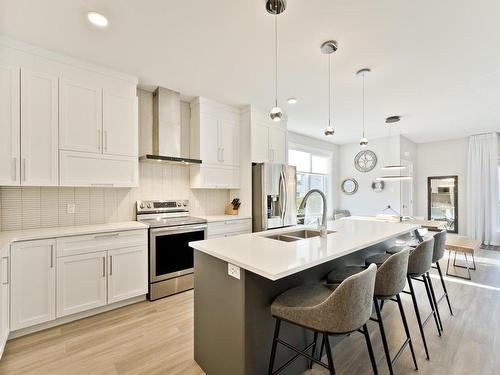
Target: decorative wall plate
349,186
365,161
378,186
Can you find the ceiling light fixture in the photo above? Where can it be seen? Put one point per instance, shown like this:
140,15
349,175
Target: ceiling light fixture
362,73
276,7
97,19
292,100
392,120
328,48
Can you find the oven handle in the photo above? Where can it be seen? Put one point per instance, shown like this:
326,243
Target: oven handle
179,229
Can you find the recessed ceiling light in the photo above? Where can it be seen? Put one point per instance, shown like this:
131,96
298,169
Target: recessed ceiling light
97,19
292,100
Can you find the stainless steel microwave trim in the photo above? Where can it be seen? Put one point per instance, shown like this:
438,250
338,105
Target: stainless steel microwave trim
159,232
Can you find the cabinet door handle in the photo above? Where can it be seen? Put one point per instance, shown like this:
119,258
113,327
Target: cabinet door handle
222,154
105,140
110,265
24,169
8,271
14,169
99,139
103,266
108,235
51,256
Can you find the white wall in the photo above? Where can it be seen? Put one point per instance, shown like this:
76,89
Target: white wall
311,145
366,201
446,158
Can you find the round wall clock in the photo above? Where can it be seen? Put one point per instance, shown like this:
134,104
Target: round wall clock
365,161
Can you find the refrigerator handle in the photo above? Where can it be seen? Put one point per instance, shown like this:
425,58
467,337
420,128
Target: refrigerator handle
285,195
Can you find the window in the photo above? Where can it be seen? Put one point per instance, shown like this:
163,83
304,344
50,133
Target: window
313,172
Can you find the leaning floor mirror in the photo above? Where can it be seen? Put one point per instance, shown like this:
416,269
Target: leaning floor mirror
442,201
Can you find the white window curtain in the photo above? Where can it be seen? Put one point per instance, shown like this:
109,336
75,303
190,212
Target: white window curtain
482,189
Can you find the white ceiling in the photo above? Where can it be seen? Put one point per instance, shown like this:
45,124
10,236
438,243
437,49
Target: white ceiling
435,63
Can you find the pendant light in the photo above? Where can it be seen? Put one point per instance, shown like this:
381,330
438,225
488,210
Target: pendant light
363,73
391,167
328,48
276,7
398,167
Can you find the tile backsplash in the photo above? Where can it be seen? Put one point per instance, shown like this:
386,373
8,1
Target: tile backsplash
42,207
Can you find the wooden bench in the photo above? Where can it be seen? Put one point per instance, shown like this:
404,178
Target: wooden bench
464,245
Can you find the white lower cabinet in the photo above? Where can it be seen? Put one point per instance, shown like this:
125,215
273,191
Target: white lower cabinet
93,270
81,283
33,283
128,273
4,298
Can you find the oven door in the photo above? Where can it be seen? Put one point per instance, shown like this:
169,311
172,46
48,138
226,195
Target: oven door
169,252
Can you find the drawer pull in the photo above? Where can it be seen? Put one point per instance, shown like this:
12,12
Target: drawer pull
8,271
109,235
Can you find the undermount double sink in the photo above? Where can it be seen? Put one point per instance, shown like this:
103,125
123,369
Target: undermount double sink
296,235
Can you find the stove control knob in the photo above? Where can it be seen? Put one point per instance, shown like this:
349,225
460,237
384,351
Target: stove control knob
179,204
150,205
142,206
185,204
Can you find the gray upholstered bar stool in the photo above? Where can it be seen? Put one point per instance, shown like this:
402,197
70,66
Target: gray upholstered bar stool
419,265
439,250
329,311
390,281
437,255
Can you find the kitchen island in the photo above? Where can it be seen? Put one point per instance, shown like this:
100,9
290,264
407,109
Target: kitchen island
233,325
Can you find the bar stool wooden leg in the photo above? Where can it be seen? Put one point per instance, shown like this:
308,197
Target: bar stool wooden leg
384,338
444,286
433,295
417,313
407,330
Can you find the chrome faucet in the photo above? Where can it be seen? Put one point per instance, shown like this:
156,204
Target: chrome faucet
323,231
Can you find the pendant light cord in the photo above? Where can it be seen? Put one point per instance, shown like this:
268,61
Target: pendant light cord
363,105
276,55
329,90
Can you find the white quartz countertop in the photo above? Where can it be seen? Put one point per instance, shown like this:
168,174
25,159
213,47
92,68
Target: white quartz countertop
275,259
7,237
218,218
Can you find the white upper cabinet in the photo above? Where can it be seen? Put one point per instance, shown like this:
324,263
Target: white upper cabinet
278,145
215,139
80,116
39,129
120,124
229,141
269,142
10,125
209,139
53,106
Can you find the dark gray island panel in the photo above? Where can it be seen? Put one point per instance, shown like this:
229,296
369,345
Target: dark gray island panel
233,326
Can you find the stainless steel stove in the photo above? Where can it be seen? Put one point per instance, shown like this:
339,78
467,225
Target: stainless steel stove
171,228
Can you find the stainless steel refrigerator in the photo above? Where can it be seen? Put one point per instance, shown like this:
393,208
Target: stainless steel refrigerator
274,192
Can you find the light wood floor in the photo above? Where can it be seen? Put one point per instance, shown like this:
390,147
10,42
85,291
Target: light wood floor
157,337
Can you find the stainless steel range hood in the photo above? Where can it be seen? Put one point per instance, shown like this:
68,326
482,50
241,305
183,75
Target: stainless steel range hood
167,129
